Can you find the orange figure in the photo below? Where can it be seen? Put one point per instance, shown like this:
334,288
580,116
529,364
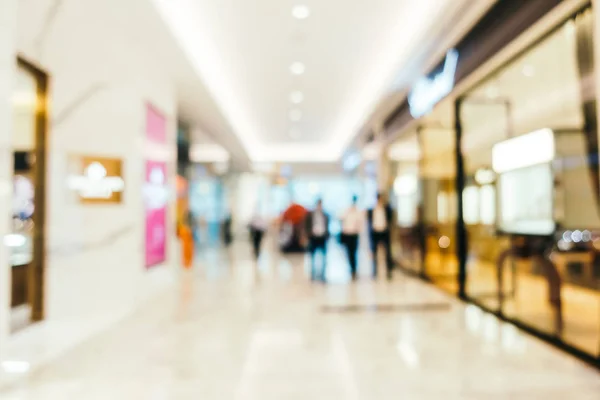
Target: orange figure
187,245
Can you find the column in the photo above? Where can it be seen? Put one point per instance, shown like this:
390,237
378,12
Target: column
8,16
383,165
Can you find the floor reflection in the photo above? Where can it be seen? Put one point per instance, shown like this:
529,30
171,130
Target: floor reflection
235,328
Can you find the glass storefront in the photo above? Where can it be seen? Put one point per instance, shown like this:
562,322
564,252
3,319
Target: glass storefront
530,190
424,191
532,194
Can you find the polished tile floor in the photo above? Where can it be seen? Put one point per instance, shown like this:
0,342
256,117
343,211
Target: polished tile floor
232,329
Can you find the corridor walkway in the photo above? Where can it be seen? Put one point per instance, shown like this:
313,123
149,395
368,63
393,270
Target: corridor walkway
234,331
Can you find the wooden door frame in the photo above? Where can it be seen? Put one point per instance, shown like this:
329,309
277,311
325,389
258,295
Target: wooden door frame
37,271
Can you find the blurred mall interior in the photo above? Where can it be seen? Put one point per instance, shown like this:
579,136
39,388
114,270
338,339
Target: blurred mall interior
146,143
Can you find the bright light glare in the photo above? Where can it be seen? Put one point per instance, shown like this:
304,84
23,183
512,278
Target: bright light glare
444,242
301,11
16,367
524,151
297,97
297,68
406,185
409,354
14,240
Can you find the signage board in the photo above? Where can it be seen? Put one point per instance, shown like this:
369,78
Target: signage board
96,180
427,92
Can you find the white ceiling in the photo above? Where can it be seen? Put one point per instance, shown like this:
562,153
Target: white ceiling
242,50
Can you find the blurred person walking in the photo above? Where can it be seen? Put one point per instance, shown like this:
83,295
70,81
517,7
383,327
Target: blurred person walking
353,221
226,229
317,231
380,223
258,228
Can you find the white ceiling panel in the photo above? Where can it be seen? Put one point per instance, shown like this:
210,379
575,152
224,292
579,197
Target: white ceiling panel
242,51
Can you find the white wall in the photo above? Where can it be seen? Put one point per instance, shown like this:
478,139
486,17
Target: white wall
7,23
99,85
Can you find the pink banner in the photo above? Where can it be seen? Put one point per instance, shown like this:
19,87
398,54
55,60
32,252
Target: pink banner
155,192
156,125
156,212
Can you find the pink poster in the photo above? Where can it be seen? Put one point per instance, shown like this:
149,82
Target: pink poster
156,212
155,192
156,125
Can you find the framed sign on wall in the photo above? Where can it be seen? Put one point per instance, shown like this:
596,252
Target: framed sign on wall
96,180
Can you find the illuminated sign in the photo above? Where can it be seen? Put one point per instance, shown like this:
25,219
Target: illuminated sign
100,182
428,91
516,153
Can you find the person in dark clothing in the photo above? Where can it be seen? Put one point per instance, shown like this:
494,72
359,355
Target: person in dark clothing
380,223
226,225
258,227
317,231
352,224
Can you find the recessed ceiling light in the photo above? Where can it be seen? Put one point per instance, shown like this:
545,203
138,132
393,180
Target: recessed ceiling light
297,68
295,115
296,97
300,11
528,70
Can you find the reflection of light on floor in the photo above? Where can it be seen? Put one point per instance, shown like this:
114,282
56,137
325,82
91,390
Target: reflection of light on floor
409,354
285,270
511,339
343,366
406,343
491,326
473,316
265,347
493,331
581,306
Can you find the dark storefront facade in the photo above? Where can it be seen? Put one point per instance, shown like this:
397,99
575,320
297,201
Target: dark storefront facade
496,173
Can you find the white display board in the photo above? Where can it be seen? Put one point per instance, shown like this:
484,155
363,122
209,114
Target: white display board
406,189
487,203
526,200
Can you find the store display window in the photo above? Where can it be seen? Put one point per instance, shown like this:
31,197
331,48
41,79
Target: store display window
532,198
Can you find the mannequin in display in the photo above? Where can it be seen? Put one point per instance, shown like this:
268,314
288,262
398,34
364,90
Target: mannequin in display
533,249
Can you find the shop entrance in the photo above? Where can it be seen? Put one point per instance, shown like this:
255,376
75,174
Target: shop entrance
26,240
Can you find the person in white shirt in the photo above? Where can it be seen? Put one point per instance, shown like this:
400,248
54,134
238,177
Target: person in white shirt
353,221
380,222
317,231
